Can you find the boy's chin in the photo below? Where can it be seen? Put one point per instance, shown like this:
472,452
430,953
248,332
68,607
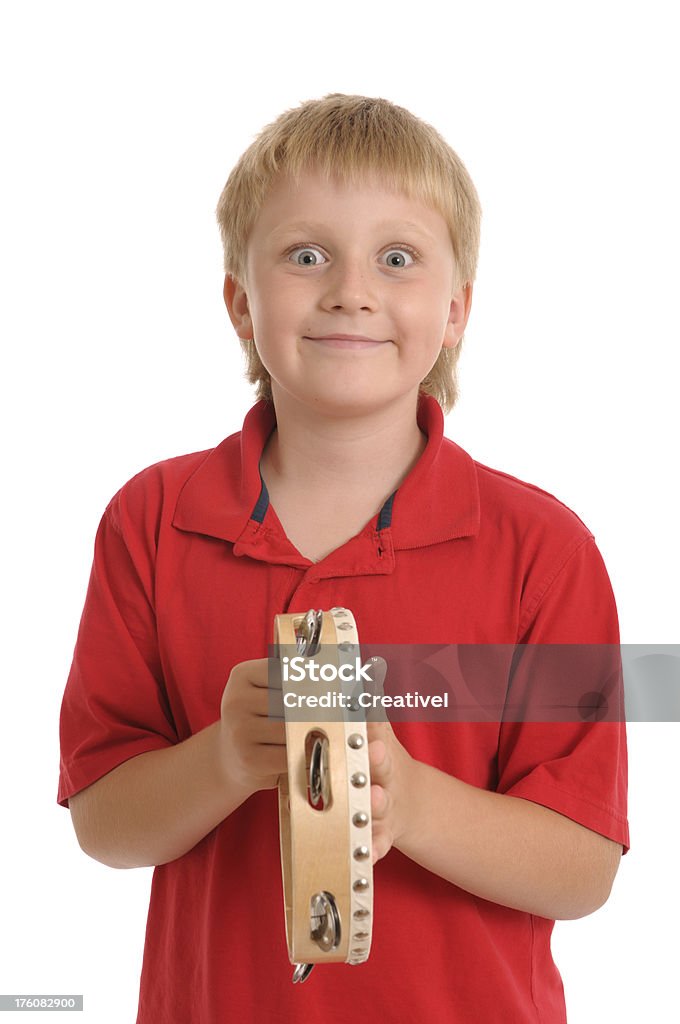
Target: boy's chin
365,398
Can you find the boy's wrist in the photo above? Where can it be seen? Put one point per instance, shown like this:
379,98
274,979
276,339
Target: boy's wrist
409,823
228,777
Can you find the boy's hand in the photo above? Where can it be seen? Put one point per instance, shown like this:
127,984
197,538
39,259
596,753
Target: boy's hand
391,768
253,735
253,745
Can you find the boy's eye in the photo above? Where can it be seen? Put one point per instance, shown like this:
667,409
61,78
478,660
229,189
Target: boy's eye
307,257
310,256
397,258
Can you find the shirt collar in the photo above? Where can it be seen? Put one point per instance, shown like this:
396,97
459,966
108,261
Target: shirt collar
225,496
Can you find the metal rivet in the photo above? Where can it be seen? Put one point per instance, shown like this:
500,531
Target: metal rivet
362,853
357,952
361,885
359,780
355,741
360,935
361,914
345,625
360,819
347,648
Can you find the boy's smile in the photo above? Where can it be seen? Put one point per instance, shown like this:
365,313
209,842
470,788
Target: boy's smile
351,293
347,341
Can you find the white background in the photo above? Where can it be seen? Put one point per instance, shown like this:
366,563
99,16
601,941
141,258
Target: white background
120,124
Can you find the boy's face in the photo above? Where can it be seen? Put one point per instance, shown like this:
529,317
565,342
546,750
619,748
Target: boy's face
328,259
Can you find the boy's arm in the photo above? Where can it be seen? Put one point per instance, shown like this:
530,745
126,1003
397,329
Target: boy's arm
499,847
504,845
156,806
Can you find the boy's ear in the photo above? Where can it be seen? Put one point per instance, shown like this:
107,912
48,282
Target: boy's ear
459,312
236,301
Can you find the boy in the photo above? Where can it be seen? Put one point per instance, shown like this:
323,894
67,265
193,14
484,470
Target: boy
350,232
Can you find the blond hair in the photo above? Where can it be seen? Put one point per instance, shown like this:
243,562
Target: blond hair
348,138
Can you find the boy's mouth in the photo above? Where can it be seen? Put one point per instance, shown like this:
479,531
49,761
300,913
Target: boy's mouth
347,341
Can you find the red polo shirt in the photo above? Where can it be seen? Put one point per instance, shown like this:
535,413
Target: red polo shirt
191,565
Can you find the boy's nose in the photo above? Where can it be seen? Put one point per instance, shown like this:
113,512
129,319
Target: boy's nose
349,286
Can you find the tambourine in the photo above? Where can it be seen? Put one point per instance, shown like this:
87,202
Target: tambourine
325,799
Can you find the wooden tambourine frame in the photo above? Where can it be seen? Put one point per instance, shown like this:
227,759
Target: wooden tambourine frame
326,856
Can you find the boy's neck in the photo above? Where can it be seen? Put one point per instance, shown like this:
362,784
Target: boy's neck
345,455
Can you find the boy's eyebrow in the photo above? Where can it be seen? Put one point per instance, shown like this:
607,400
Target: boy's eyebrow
312,228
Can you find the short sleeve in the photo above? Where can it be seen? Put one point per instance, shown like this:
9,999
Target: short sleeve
114,705
578,767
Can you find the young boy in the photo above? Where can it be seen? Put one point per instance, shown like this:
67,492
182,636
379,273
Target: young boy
350,233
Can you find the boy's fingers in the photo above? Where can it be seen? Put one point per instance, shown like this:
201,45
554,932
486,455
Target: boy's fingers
378,731
270,705
256,686
377,670
262,672
269,733
378,760
379,802
271,761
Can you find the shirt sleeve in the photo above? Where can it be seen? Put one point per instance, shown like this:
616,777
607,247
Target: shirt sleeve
577,765
114,705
